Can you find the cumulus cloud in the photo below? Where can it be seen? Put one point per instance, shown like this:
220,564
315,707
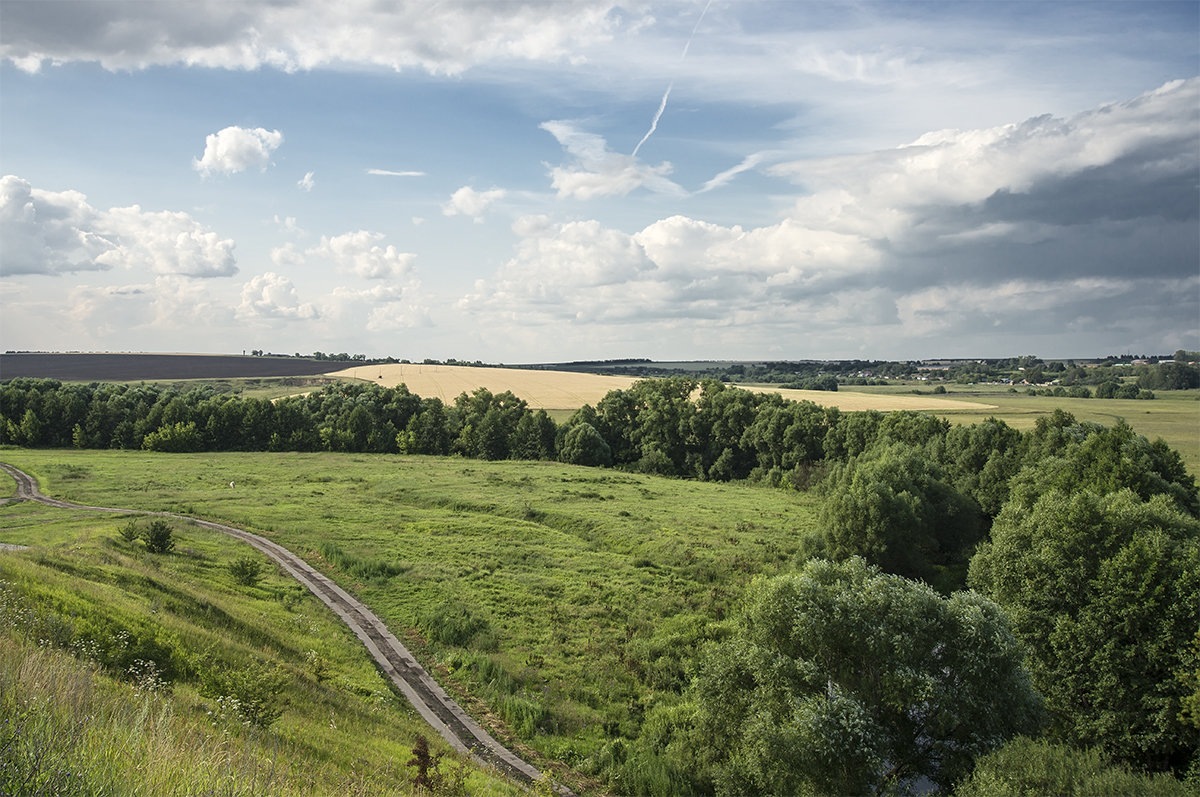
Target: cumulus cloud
287,256
235,149
272,296
48,232
288,224
385,308
469,202
166,242
445,37
1150,138
306,182
596,171
359,253
954,235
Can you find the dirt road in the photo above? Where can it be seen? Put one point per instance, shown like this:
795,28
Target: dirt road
426,696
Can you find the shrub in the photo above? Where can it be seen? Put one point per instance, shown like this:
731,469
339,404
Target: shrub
1024,766
175,438
159,537
130,531
246,570
252,694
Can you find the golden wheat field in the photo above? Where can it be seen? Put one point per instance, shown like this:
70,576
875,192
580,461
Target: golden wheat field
564,390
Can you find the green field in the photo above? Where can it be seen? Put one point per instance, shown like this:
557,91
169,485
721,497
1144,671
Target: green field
1173,415
559,596
81,588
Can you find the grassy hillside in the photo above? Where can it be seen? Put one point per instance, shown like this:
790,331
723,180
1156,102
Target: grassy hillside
83,610
559,596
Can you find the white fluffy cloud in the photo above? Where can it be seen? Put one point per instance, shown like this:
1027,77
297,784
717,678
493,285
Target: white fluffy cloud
166,242
47,232
359,253
269,295
235,149
469,202
596,171
954,234
891,193
306,182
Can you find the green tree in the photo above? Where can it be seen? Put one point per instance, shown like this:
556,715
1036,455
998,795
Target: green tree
844,680
534,437
892,507
1102,589
1075,457
176,438
158,537
980,459
252,693
583,445
30,433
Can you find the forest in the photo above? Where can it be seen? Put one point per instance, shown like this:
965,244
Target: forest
968,585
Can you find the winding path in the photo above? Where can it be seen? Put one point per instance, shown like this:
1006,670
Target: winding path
397,663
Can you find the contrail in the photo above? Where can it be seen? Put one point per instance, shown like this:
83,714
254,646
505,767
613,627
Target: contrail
662,106
695,28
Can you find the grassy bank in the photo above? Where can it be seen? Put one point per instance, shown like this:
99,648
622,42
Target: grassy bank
126,672
559,596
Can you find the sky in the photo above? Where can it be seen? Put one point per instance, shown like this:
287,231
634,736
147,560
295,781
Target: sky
521,182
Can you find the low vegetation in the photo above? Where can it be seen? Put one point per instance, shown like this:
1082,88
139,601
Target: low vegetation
129,672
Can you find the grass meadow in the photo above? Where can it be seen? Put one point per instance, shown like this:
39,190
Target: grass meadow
552,600
1173,415
82,603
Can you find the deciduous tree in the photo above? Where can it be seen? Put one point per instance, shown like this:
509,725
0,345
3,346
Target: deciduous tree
842,680
1103,589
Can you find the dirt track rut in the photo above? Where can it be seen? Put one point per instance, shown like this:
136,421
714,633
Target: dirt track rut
427,697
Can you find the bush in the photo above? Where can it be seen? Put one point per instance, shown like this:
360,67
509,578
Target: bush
246,570
130,531
158,537
176,438
1024,766
251,695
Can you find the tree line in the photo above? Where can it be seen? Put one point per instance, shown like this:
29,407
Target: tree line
1170,372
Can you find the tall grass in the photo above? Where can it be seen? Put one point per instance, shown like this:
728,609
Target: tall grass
67,729
128,673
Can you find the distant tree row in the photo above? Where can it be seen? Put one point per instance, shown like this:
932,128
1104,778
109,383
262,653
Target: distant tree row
674,426
1178,373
